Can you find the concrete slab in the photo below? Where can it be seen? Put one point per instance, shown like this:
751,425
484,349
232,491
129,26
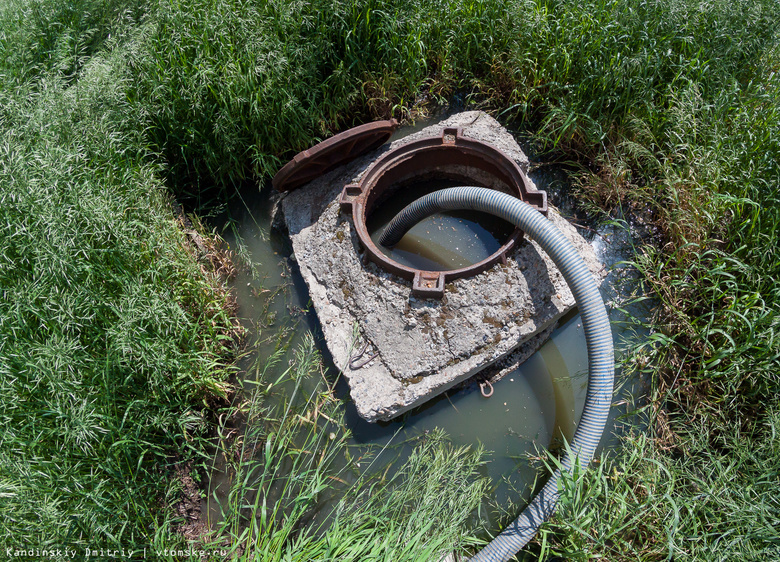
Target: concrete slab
422,347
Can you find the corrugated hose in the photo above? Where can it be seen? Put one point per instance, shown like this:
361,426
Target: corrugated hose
598,336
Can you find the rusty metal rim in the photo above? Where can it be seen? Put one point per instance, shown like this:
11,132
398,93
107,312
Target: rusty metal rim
330,153
356,197
425,279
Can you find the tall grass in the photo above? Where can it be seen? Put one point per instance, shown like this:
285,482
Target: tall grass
112,335
290,468
41,38
235,89
716,502
700,163
232,89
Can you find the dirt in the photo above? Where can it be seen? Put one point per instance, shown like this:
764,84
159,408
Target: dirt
220,266
188,505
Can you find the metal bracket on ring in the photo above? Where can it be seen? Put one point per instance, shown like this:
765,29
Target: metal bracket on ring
355,363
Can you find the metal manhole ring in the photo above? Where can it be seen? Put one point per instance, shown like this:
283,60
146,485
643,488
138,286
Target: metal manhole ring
426,155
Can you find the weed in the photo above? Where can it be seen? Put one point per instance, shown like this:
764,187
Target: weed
111,335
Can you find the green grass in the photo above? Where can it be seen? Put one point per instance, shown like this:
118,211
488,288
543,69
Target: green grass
290,469
715,501
232,89
701,165
112,335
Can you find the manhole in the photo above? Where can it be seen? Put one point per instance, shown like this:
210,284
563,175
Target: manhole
450,157
397,346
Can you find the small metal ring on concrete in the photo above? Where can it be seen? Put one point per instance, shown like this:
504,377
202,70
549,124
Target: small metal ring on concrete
598,336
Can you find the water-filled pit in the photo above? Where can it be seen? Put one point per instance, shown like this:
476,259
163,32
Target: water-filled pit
530,407
444,241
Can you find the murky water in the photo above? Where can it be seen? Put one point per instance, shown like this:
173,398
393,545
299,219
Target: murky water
443,241
529,409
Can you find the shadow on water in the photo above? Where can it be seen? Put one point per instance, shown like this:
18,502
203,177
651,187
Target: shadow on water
530,408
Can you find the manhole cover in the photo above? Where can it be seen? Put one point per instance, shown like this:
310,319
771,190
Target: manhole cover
332,152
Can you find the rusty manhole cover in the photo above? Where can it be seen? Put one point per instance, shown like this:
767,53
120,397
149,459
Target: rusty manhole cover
332,152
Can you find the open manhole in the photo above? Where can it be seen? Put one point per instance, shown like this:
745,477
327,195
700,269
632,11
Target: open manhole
381,311
444,241
450,246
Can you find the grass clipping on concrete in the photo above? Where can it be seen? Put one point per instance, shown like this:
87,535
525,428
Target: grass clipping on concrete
112,335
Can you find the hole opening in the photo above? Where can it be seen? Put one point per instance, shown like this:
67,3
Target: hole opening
443,242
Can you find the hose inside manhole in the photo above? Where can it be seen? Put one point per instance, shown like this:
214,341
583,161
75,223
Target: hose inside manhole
598,338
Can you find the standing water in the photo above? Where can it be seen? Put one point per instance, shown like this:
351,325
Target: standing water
530,408
443,241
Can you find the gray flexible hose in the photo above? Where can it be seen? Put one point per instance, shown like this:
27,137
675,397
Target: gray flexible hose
598,336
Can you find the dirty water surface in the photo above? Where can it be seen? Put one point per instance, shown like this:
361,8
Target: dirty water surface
443,241
530,408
